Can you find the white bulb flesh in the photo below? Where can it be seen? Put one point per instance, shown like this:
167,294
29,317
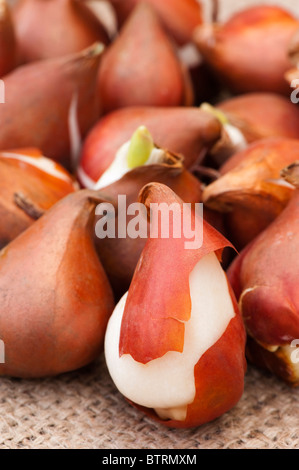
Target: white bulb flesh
42,163
119,167
84,179
291,353
190,55
236,136
167,384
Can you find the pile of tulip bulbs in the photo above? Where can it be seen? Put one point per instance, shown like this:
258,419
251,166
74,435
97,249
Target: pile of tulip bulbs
168,106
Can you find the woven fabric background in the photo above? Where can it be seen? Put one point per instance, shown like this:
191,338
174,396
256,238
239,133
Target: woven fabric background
83,409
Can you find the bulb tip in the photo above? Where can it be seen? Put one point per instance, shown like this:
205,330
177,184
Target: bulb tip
215,112
141,147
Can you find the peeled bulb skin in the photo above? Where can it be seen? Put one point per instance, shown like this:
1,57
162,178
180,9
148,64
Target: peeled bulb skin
54,28
55,308
180,358
183,130
31,184
141,67
250,51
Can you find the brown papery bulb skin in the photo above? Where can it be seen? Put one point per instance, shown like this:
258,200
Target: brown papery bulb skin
28,190
44,96
250,191
8,44
54,28
249,52
141,67
55,296
179,17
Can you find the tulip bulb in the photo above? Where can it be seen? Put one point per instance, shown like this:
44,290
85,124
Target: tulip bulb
188,131
167,384
141,67
55,299
249,53
174,344
54,90
264,278
54,28
179,18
